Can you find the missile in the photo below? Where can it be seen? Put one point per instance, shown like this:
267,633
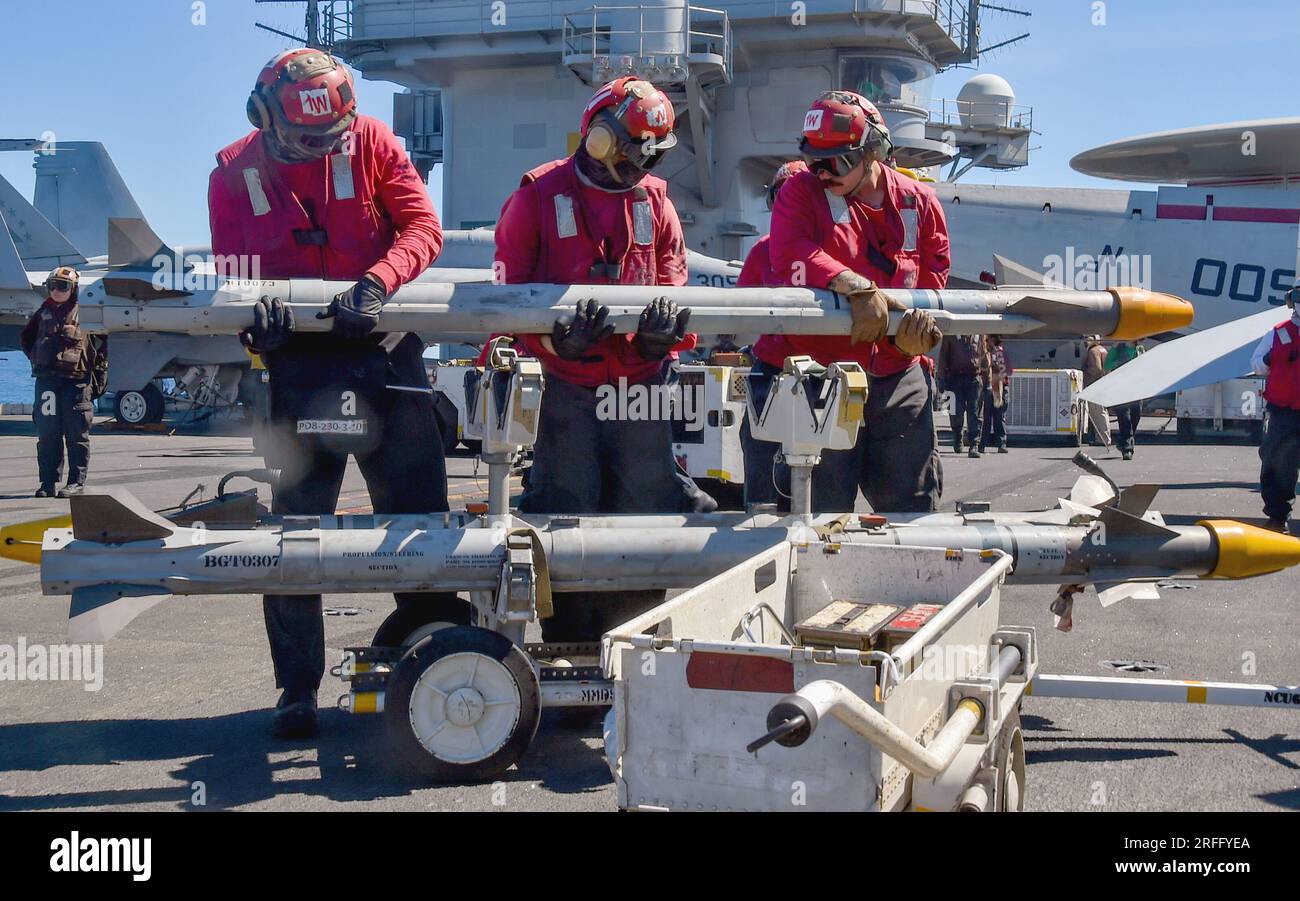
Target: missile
205,304
119,558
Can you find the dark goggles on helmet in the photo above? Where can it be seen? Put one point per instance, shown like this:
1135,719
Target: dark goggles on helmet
838,165
59,284
645,152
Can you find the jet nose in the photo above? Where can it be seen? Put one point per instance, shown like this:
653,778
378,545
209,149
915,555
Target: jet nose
1145,313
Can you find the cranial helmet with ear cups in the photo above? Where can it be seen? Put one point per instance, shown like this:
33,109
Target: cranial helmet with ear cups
303,101
628,119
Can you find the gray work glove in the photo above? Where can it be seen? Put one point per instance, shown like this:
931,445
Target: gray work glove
356,310
573,337
272,326
661,328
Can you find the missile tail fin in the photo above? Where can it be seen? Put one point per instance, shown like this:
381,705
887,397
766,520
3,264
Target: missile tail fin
113,516
1136,499
1119,523
133,244
99,612
1110,593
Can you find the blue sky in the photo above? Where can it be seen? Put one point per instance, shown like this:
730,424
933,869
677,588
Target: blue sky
164,94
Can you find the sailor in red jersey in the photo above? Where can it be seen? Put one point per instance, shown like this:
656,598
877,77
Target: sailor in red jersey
600,217
852,223
1277,358
318,191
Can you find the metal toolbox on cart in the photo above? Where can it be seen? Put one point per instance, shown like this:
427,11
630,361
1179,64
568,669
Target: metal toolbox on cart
698,678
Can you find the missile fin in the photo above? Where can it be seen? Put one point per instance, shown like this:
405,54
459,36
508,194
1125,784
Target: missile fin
113,516
1136,499
131,242
99,612
1117,522
1110,593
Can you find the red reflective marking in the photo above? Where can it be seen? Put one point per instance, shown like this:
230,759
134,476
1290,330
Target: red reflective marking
1255,214
1179,211
739,672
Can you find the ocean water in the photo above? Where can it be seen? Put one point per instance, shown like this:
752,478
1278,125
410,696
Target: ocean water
16,383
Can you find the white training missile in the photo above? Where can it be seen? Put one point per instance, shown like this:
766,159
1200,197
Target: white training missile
126,301
119,558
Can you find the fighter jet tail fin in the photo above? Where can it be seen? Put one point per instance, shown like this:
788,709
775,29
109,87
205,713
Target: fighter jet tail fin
113,516
39,243
99,612
78,189
13,274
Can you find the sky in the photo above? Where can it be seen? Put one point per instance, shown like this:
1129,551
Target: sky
163,85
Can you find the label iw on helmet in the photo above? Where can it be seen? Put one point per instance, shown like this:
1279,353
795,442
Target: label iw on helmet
315,101
812,120
331,426
657,116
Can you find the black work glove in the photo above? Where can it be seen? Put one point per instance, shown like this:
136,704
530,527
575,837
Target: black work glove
662,326
574,337
272,326
356,310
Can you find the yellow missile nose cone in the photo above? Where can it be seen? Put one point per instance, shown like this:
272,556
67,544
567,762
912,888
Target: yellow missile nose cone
22,541
1145,313
1246,550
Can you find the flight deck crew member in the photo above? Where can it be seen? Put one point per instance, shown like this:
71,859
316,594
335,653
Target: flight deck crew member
1127,415
1277,357
600,217
318,191
849,224
71,369
1094,367
997,392
757,271
963,370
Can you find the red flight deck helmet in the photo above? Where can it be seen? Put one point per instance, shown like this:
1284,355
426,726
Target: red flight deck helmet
629,118
840,130
304,101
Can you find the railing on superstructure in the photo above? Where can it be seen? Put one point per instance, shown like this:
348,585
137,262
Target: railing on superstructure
983,113
705,35
345,20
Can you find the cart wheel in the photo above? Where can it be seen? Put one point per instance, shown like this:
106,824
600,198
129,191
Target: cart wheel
1011,766
462,705
409,623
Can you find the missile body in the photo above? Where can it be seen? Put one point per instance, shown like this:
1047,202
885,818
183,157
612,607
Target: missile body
119,558
471,311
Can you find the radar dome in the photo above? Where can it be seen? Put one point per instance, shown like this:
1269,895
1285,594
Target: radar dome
985,102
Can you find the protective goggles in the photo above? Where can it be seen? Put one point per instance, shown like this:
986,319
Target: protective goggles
837,165
59,284
645,152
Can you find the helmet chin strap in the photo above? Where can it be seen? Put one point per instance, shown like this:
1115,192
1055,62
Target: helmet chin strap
866,173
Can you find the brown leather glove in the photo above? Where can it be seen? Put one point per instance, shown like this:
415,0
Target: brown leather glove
867,306
917,333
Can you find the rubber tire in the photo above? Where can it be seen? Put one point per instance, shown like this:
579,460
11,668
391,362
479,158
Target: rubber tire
1011,753
149,397
399,625
419,658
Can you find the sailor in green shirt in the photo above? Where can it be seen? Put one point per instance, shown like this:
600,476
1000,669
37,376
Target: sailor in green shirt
1127,415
